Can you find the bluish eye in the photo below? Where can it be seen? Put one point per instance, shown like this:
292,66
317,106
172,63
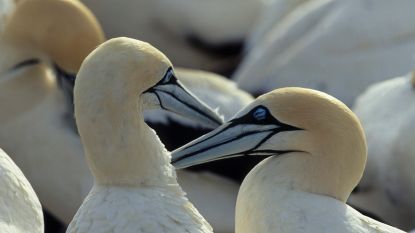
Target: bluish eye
168,76
260,114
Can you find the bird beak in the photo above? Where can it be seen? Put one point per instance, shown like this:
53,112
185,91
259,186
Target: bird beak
174,97
229,140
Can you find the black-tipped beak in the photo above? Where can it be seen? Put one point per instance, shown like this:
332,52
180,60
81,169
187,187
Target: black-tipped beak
236,138
174,97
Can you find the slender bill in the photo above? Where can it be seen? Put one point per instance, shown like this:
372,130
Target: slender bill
246,135
173,96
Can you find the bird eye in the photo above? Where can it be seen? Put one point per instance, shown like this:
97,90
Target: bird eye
260,114
168,77
25,63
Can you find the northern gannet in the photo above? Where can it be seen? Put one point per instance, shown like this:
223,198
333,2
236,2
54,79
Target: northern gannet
45,41
135,187
20,209
387,112
317,155
339,47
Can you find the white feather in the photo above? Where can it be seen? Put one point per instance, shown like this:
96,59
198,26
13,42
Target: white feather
339,47
387,113
20,209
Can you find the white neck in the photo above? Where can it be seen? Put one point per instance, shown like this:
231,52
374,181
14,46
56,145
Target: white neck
271,183
120,148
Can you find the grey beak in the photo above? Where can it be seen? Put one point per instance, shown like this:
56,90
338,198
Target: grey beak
245,135
174,97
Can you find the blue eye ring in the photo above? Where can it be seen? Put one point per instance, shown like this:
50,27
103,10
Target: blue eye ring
167,78
260,114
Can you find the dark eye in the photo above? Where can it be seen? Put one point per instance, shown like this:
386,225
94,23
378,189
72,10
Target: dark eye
168,77
260,114
25,63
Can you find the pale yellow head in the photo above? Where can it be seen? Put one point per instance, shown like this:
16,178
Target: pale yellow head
65,30
130,65
38,35
318,142
331,134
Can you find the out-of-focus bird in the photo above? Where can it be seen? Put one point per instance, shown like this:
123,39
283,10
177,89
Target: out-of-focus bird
20,209
317,155
210,22
339,47
204,35
44,41
135,187
387,113
274,12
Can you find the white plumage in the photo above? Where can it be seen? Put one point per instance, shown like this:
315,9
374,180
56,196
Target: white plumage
339,47
285,210
214,22
20,209
387,113
171,25
274,12
144,210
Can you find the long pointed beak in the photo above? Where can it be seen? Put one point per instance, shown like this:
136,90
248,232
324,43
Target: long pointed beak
229,140
176,98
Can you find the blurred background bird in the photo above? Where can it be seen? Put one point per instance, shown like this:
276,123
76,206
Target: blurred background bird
20,210
387,112
339,47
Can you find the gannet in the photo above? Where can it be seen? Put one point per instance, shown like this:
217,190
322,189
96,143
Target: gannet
20,209
339,47
387,112
135,187
317,154
39,127
45,41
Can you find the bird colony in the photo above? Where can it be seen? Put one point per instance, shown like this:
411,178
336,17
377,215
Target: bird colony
181,116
